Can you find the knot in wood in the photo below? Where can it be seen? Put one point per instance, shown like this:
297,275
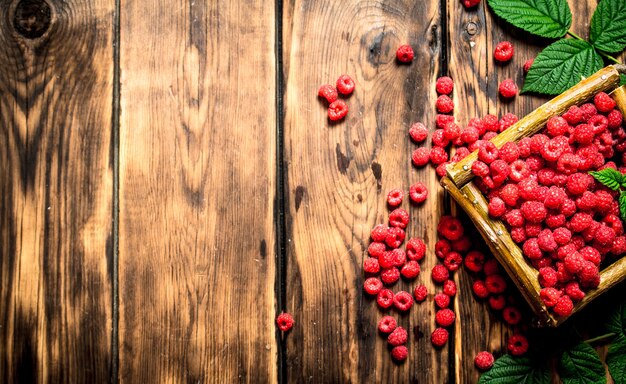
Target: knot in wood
32,18
471,28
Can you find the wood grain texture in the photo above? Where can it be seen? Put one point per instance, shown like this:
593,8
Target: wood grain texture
56,76
338,176
197,185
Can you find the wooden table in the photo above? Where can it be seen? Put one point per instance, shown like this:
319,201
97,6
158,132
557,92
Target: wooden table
170,183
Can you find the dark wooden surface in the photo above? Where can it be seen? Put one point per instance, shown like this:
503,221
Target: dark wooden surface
170,183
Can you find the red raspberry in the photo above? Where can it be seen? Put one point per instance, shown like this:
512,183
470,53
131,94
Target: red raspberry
474,261
284,321
574,115
418,132
568,208
554,148
397,337
386,260
568,163
399,257
546,176
503,51
615,119
399,353
604,201
528,64
557,126
418,192
514,218
345,85
572,289
591,254
497,302
410,270
420,157
328,92
524,147
497,207
444,104
439,337
491,124
561,273
563,306
506,122
619,245
483,360
580,221
491,267
511,315
469,135
574,262
337,110
390,276
550,296
603,102
444,85
376,249
372,286
562,235
613,222
442,300
518,234
532,229
451,131
384,298
488,152
453,261
470,3
509,194
445,317
420,292
509,152
387,324
519,170
588,110
440,273
394,197
442,248
462,245
403,301
508,89
399,218
441,169
605,235
415,249
537,142
531,249
547,277
517,345
586,202
438,155
480,289
443,120
535,163
546,241
500,170
405,54
555,221
395,237
599,124
370,265
589,277
450,228
533,211
449,288
555,197
480,169
495,283
583,134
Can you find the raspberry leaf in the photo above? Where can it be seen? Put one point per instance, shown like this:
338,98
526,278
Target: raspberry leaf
539,17
616,322
608,26
561,65
622,80
622,205
515,370
609,177
581,364
616,359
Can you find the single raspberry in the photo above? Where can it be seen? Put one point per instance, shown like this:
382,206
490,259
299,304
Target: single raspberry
480,169
499,170
531,249
398,257
439,337
519,170
469,135
546,176
589,277
557,126
528,64
284,321
562,235
387,324
555,197
442,248
420,156
399,218
574,115
453,261
397,337
619,245
615,119
568,163
384,298
536,162
509,194
563,306
394,197
491,267
599,124
590,232
403,301
511,315
450,228
327,92
483,360
462,245
603,102
470,3
613,221
443,120
390,276
418,132
517,345
518,234
372,286
508,89
550,296
604,201
442,300
503,51
495,283
524,147
386,260
568,208
583,134
410,270
490,123
438,155
572,289
509,152
488,152
415,249
574,262
537,142
395,237
514,218
449,288
480,289
445,317
337,110
533,211
580,221
546,241
591,254
444,85
451,132
405,54
440,273
554,148
444,104
547,277
588,110
605,235
532,230
418,192
399,353
345,85
370,265
497,302
376,249
420,292
474,261
561,273
442,169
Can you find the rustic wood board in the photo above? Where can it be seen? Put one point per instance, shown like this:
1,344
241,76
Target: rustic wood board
56,180
197,188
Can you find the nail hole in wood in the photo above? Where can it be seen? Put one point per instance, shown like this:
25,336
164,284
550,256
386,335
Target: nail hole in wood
32,18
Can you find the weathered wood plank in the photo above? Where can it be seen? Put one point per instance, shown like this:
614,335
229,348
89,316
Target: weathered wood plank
56,176
197,185
338,175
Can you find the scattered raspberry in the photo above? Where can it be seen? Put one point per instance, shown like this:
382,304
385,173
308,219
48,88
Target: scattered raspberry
483,360
387,324
376,249
284,321
603,102
480,289
394,197
384,298
497,302
444,85
370,265
503,51
420,292
328,92
397,337
442,248
442,120
444,317
405,54
379,233
438,139
511,315
345,85
533,211
439,337
506,121
387,260
442,300
403,301
495,283
410,270
337,110
420,156
395,237
563,306
438,155
441,169
390,276
508,89
488,152
450,228
449,288
398,257
451,131
440,273
470,135
372,286
399,353
444,104
491,267
418,132
474,261
399,218
453,261
462,245
527,64
517,345
415,249
418,192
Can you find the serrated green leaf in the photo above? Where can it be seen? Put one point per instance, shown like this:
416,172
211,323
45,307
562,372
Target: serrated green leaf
622,205
616,321
561,65
543,18
622,80
516,370
608,26
616,360
609,177
580,365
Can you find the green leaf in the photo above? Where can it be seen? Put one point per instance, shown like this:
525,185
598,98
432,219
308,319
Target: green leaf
540,17
616,321
622,80
609,177
616,360
608,26
562,65
516,370
581,365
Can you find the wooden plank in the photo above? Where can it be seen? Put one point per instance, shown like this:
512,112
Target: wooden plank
338,175
56,183
197,184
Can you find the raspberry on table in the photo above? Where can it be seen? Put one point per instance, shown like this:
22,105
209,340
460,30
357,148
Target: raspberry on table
398,257
440,273
511,315
399,353
379,233
451,131
444,85
444,104
503,51
372,286
399,217
517,345
442,248
508,89
563,306
395,237
384,299
474,261
370,265
387,260
443,120
463,244
418,132
603,102
418,192
480,289
403,301
450,228
453,261
405,53
397,337
497,302
376,249
470,3
442,300
284,321
444,317
387,324
449,288
395,197
415,249
491,267
337,110
495,283
527,64
410,270
441,169
470,135
439,337
555,197
438,139
390,276
438,155
568,163
420,156
420,293
327,92
586,202
345,85
483,360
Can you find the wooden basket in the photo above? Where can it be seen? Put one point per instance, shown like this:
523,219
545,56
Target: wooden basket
459,184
